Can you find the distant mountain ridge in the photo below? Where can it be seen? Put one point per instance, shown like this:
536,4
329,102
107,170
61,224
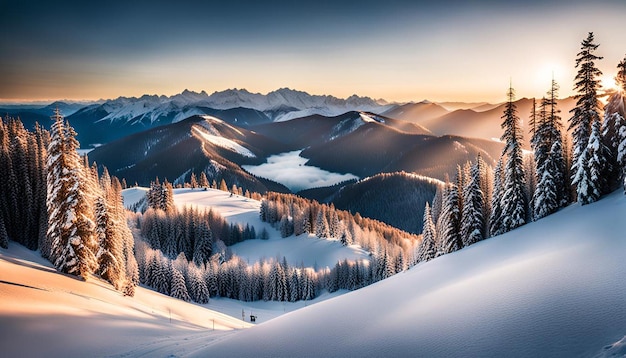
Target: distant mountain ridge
105,121
277,104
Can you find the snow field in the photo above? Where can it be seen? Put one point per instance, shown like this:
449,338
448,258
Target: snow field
551,288
45,313
308,250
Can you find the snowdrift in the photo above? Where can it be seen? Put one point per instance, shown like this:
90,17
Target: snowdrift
551,288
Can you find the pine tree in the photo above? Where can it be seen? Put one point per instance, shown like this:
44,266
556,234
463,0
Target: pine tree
204,181
427,250
587,110
198,290
223,186
162,274
545,200
179,288
449,223
589,179
614,129
71,228
473,223
551,190
436,206
296,287
128,259
321,225
193,181
109,256
514,201
203,245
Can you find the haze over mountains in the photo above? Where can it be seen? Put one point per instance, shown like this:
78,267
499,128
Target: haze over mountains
104,121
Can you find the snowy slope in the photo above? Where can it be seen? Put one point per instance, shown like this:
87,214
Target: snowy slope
45,313
551,288
308,250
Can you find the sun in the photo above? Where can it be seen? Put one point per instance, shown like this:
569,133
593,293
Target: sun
608,83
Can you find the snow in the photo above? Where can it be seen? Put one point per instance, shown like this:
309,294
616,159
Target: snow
188,103
290,169
45,313
48,314
367,118
307,250
133,195
303,249
225,143
550,288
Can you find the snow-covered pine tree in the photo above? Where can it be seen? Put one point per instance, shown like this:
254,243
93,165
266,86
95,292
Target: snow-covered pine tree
23,182
449,223
203,245
110,257
21,187
495,217
426,250
551,190
8,179
284,226
321,225
589,179
197,287
71,227
161,274
613,128
473,222
123,231
587,109
435,208
296,287
179,288
514,201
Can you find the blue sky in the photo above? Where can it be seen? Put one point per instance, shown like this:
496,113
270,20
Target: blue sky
397,50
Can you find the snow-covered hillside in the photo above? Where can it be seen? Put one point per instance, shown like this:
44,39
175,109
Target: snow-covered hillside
44,313
47,314
304,249
551,288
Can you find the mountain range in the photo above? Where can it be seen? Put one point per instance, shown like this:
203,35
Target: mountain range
140,138
104,121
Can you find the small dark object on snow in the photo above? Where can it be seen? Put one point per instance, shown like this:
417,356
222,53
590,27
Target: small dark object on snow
252,318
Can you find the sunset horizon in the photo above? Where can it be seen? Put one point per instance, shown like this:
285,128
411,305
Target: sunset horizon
398,51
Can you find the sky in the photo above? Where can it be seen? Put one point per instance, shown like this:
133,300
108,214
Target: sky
395,49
